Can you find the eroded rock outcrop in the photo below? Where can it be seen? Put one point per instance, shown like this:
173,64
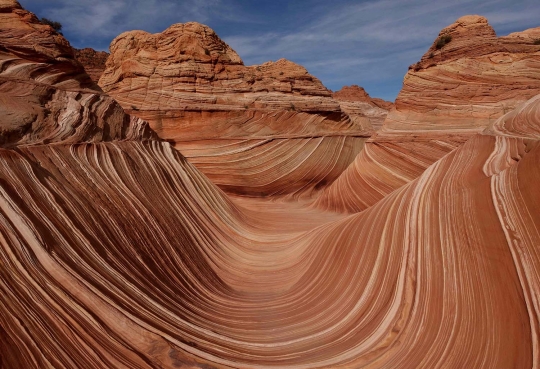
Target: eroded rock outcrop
469,82
199,72
458,88
93,61
45,94
121,254
361,107
259,130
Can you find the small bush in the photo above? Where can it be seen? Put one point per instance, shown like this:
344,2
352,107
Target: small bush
537,41
293,108
57,26
442,41
431,55
281,73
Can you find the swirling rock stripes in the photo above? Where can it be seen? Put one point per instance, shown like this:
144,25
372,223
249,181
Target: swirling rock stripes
195,92
401,284
116,252
451,94
468,83
521,122
379,169
271,167
45,94
513,199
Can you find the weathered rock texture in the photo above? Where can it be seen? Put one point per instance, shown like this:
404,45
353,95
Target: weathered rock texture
152,266
259,130
362,108
451,94
93,61
121,254
468,83
45,94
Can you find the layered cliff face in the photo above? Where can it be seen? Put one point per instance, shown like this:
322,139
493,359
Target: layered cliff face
361,107
200,72
467,83
151,266
45,94
260,130
93,62
462,84
116,252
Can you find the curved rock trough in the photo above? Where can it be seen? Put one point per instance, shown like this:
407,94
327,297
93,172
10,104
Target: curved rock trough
116,251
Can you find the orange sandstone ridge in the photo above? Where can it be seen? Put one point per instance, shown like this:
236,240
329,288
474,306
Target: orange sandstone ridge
116,252
468,83
45,94
271,129
452,93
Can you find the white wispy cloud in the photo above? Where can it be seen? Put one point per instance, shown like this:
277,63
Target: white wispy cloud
106,19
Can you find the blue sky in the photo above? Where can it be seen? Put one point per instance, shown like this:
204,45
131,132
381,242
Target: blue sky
342,42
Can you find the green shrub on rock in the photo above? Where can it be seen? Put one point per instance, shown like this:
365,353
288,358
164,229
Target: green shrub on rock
442,41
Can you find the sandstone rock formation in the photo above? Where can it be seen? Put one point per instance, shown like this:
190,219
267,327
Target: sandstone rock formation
116,252
452,93
93,61
45,95
361,107
468,83
259,130
357,93
416,275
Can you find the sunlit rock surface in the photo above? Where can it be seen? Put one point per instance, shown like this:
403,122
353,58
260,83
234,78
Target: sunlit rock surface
271,129
452,93
469,82
116,252
45,94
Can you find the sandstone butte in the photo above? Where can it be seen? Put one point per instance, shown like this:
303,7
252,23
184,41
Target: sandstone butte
259,130
116,252
452,93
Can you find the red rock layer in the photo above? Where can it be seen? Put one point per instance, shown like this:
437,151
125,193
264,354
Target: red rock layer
45,94
381,168
357,93
454,92
403,284
196,92
361,107
93,62
121,254
469,82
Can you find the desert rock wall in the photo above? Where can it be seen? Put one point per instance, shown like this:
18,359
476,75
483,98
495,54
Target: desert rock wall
269,126
456,90
45,94
361,107
117,252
